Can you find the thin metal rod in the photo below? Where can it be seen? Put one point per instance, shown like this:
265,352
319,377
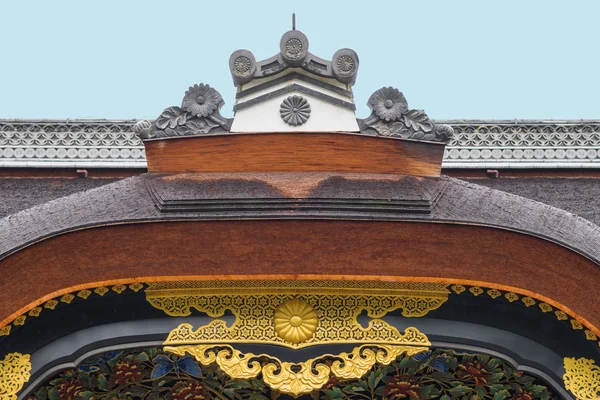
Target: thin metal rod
293,21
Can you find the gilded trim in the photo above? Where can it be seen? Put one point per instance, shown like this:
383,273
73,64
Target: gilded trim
14,373
305,377
582,378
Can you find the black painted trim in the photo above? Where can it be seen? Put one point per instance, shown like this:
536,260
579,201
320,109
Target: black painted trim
289,77
294,88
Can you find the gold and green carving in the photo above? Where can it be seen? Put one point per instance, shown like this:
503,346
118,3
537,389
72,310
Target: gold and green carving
296,314
582,378
307,376
14,373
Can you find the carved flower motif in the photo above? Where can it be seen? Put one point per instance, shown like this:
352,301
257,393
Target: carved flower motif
523,395
293,47
402,387
189,391
69,389
474,371
295,110
201,100
295,321
127,372
388,103
345,63
242,65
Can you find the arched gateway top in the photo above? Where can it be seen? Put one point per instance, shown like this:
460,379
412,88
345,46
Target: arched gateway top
296,250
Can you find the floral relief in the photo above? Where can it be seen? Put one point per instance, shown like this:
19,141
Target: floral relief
201,100
388,103
152,374
390,116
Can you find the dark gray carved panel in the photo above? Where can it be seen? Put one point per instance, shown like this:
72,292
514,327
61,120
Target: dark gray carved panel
293,53
390,116
198,115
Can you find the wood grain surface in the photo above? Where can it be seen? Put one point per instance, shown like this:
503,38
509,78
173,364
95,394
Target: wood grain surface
315,247
294,152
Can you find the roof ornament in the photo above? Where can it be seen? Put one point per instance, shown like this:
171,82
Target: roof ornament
294,53
390,116
198,115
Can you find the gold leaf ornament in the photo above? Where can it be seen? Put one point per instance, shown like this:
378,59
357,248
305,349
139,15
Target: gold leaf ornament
295,321
14,373
582,378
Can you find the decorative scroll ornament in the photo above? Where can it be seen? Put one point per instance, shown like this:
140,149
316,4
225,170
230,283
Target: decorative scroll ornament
582,378
254,305
296,314
390,116
198,115
307,376
14,373
295,110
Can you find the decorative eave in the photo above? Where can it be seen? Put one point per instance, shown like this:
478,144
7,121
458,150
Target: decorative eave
35,143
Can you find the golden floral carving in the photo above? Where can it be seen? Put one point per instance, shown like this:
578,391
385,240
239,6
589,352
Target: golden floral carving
254,305
51,304
511,297
14,373
476,290
582,378
101,290
295,321
119,288
305,377
67,298
528,301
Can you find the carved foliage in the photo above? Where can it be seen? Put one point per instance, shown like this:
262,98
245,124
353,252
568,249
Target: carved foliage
390,116
198,115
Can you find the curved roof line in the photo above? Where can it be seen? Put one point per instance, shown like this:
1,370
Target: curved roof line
453,201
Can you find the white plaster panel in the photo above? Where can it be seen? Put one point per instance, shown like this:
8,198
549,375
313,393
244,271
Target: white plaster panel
324,117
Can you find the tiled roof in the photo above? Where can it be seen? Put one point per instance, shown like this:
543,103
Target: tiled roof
73,144
476,144
523,144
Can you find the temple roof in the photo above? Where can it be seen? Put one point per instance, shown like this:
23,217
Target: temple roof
482,144
156,197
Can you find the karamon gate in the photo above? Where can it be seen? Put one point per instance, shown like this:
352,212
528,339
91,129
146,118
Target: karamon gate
297,251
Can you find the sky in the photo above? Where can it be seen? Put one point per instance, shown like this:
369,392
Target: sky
109,59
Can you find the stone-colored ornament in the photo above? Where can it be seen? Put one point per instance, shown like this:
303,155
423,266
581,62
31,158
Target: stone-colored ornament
295,321
295,110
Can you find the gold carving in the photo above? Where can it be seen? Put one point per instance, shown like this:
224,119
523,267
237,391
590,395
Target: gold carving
51,304
511,297
582,378
476,290
337,305
528,301
295,321
310,375
14,373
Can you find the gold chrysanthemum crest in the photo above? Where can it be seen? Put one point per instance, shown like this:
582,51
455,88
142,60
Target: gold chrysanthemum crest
295,321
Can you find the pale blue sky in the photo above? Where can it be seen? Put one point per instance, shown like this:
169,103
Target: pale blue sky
455,59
